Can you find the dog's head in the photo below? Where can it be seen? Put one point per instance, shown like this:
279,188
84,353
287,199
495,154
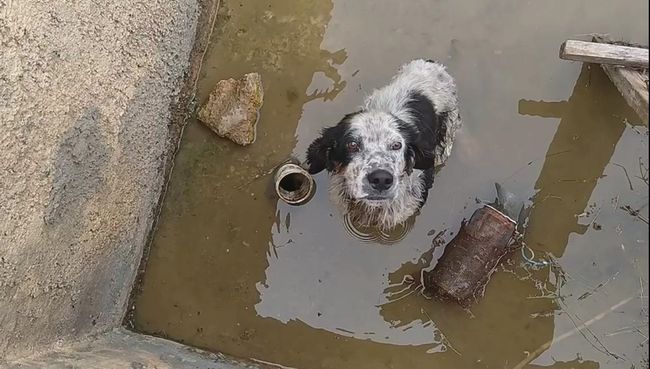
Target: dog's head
371,151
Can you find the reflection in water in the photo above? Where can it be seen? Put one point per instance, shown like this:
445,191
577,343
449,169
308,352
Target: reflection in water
375,235
586,137
321,276
591,123
215,220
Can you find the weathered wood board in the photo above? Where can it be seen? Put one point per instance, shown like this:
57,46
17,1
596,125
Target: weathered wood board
604,53
631,83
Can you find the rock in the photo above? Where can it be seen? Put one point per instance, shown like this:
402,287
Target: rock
233,108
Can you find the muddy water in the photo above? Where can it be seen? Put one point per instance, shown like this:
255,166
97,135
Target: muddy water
233,270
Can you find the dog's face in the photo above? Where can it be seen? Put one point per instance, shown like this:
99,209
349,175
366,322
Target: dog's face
371,151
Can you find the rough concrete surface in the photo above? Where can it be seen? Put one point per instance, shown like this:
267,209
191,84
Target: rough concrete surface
123,349
232,111
86,96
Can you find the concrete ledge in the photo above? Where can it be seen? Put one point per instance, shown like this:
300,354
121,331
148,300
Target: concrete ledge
124,349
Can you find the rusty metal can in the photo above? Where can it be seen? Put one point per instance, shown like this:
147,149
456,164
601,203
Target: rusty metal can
293,184
465,267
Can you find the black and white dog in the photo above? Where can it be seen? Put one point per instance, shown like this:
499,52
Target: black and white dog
382,157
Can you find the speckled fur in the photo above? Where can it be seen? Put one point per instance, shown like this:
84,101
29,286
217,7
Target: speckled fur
387,117
432,80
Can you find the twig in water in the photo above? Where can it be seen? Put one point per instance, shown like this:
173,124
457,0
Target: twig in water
415,290
522,364
548,197
625,330
642,335
603,349
270,363
644,171
572,180
595,217
407,281
274,249
445,341
260,175
591,34
641,283
534,160
635,129
578,279
595,289
626,175
634,213
550,296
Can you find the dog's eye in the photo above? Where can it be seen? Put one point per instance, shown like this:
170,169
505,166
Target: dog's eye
396,146
353,146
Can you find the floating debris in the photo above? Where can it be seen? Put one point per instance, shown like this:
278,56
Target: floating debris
472,256
293,184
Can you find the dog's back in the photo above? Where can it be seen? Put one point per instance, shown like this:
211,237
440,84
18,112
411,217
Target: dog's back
403,96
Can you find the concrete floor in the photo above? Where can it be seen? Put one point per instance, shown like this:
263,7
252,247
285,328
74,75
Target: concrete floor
120,348
93,97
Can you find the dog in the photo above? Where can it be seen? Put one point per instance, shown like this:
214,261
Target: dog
381,158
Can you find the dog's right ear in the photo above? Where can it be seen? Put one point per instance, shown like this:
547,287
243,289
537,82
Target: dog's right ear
318,155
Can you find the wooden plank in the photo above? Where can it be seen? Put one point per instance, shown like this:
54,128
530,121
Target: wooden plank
602,53
632,84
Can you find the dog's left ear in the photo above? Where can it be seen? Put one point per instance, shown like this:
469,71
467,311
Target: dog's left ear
419,150
423,156
409,156
317,155
429,127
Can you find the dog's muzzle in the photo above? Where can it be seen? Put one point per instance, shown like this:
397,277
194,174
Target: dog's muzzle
378,185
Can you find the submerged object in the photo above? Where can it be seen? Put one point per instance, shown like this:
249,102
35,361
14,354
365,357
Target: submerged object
293,184
470,258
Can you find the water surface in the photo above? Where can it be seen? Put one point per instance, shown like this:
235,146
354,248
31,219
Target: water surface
233,270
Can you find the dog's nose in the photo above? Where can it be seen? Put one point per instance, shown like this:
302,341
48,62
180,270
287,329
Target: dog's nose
380,180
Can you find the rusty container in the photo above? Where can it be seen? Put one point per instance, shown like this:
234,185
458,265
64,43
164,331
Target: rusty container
293,184
471,257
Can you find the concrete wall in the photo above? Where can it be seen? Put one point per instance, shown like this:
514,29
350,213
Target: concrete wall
123,349
92,99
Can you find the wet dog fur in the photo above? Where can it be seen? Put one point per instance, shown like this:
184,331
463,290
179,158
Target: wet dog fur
381,158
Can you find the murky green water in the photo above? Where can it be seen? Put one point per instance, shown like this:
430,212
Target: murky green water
233,270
